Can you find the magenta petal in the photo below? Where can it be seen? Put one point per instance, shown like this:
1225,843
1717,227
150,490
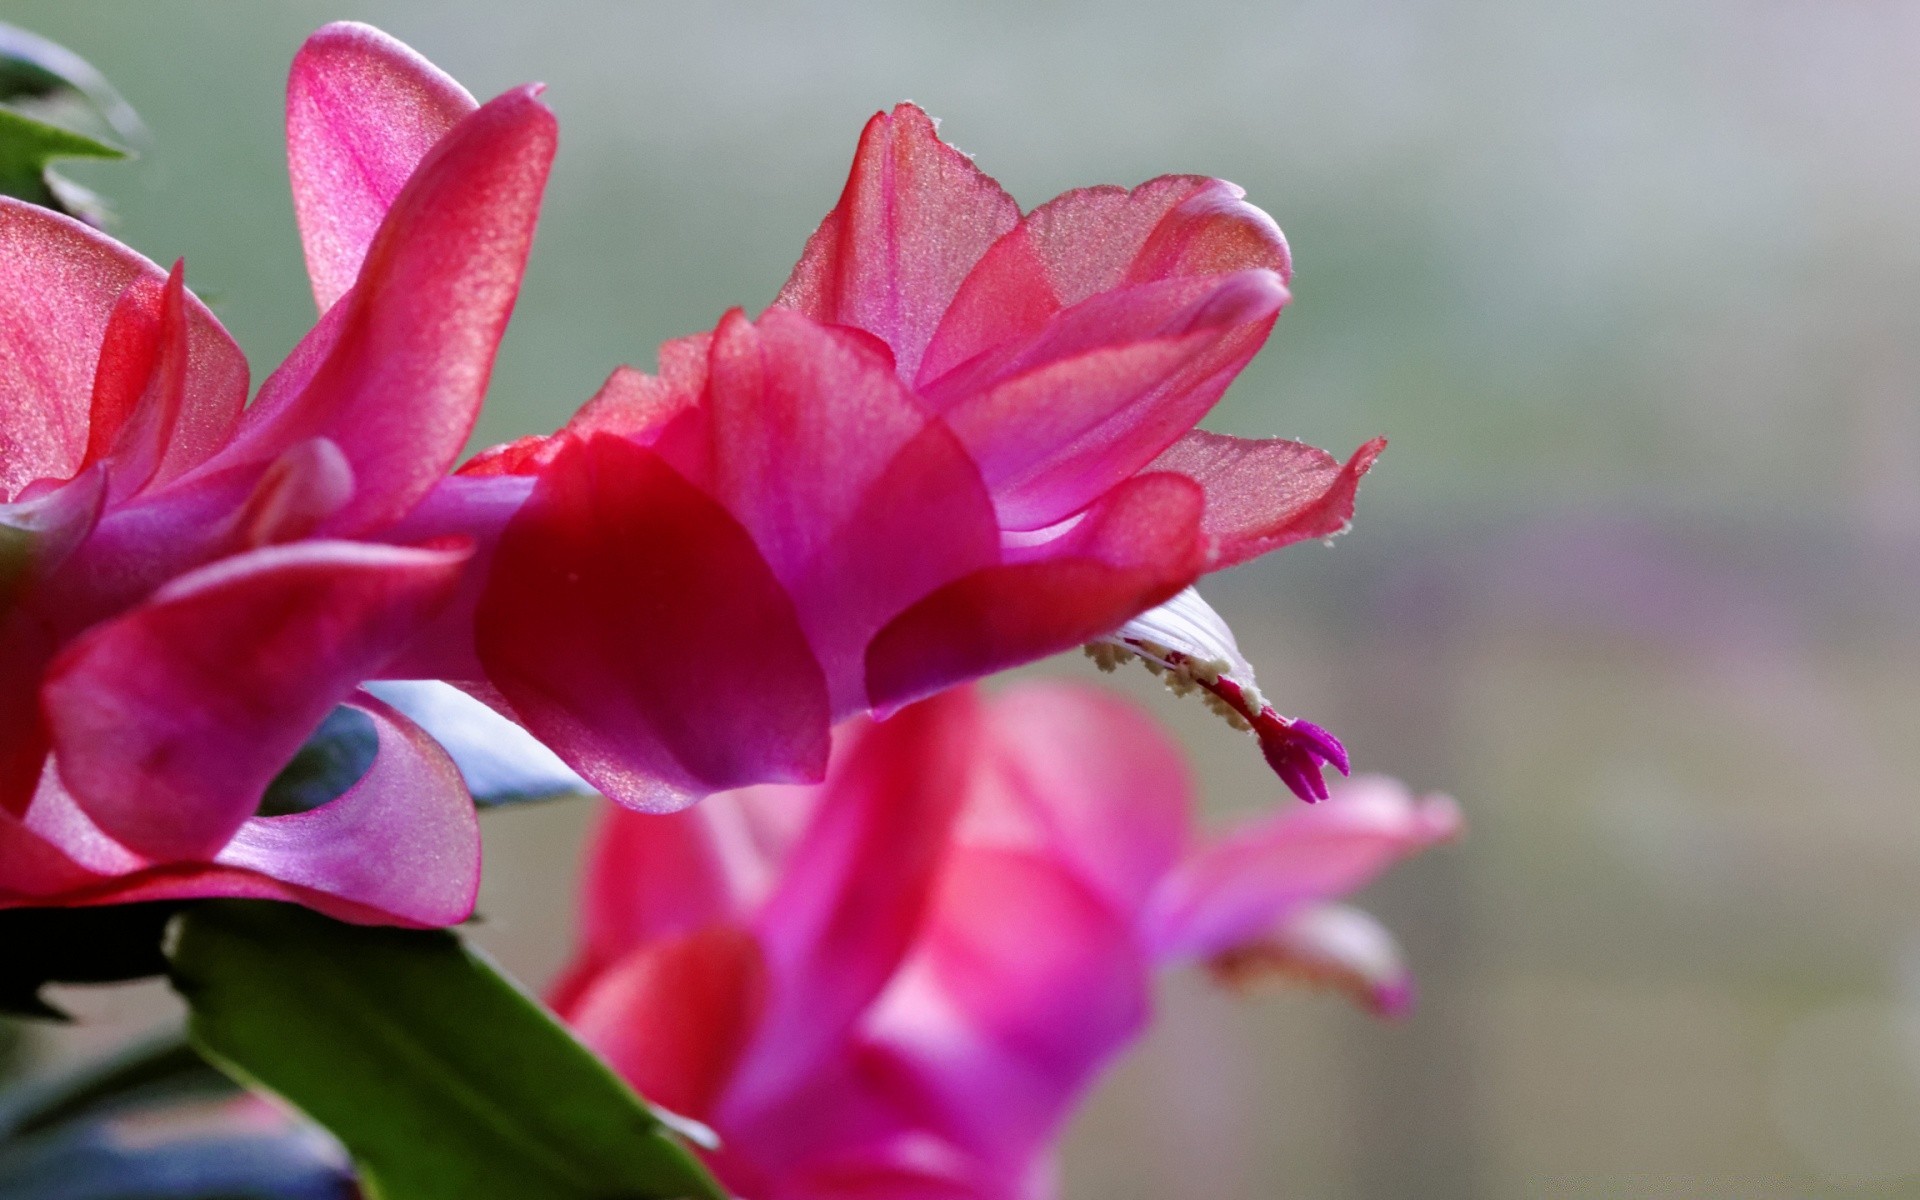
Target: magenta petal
1262,495
362,110
58,293
1104,388
1096,240
855,889
915,217
170,721
402,845
632,625
1331,945
1025,984
1135,548
1235,891
859,500
652,876
1082,775
394,373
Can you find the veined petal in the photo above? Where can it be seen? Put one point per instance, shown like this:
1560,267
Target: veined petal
1134,549
632,625
859,500
1237,890
915,217
170,721
395,371
1262,495
1096,240
362,110
1327,945
1192,648
1103,388
58,295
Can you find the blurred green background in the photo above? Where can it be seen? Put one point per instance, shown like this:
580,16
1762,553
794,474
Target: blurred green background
1633,287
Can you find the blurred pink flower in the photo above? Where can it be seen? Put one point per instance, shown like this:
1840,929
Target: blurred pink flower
189,584
961,440
897,983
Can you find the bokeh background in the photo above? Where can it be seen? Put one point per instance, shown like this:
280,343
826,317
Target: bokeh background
1634,288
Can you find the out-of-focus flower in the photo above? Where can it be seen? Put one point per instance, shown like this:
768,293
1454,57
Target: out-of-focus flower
188,584
897,983
962,439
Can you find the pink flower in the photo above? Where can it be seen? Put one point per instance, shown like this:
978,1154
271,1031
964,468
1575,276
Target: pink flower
962,439
189,584
898,983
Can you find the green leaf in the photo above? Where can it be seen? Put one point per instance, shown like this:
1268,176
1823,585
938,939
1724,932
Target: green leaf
77,945
443,1079
36,70
27,147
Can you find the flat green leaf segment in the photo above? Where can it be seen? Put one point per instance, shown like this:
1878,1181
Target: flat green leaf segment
443,1079
54,104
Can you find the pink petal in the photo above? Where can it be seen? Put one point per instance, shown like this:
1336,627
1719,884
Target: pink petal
400,847
653,876
1328,945
915,217
170,721
632,626
362,110
57,298
394,373
1235,891
36,536
1262,495
854,891
673,1016
1135,548
1095,240
1082,775
1026,984
1103,388
859,500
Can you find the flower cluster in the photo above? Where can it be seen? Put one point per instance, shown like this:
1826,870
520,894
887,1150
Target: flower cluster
914,923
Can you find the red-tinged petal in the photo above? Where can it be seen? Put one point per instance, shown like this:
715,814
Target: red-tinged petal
1262,495
302,488
859,500
1327,945
634,628
1237,890
1026,983
394,373
36,536
1135,548
403,842
362,110
674,1015
652,876
400,847
915,217
170,721
1095,240
1104,388
1086,777
853,893
57,299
